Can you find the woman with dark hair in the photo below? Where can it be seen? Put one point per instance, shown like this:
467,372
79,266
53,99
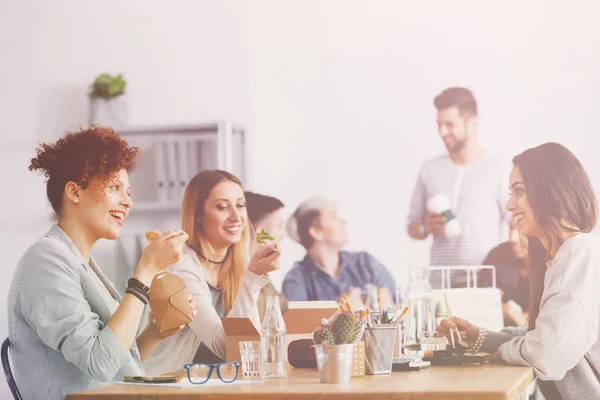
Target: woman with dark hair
218,270
69,329
555,208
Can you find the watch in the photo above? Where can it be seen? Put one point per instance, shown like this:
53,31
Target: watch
132,282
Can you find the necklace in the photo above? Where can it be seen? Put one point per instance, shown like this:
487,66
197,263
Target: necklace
212,261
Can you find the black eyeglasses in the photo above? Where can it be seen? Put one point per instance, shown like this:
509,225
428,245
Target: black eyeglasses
200,373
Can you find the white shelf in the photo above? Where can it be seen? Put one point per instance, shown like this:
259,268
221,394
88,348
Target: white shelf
155,207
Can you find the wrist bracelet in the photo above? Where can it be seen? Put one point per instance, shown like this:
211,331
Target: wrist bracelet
137,294
479,342
138,291
132,282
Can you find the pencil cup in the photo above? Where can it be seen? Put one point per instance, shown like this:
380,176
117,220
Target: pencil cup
379,349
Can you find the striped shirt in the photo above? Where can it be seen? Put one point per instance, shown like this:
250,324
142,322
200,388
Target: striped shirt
478,193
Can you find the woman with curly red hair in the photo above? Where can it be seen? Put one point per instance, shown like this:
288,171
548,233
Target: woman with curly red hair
69,328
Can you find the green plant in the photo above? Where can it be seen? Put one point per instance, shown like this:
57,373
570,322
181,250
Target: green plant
263,236
323,336
108,87
346,329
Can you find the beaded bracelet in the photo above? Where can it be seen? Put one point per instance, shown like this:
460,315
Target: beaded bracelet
479,343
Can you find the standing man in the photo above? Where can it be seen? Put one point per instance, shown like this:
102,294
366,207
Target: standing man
474,182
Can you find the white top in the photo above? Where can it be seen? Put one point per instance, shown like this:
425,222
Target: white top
177,350
478,193
564,346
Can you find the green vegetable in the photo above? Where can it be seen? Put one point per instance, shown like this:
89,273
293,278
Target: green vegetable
263,236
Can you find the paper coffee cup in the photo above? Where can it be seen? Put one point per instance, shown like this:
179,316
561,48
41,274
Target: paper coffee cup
441,205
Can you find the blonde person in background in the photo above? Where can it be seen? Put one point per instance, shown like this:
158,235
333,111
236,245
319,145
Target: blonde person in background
265,212
69,328
327,272
218,269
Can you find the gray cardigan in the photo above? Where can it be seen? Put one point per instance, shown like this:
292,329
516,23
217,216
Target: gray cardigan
58,307
564,347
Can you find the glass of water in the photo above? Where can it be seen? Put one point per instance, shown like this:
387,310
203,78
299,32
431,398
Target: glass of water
251,355
433,341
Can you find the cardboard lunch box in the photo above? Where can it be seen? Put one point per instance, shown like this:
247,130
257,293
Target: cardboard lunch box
301,319
169,303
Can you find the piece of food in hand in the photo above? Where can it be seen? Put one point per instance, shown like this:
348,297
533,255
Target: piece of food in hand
153,234
263,236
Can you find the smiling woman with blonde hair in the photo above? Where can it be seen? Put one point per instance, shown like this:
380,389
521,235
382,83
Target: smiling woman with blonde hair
217,268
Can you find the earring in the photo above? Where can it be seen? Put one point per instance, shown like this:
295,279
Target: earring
76,200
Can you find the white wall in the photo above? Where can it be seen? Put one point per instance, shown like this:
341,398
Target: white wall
341,98
185,61
337,94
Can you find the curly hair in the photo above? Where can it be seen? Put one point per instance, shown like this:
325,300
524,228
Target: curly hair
80,156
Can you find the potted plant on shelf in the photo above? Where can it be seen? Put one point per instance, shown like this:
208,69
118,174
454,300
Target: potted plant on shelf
107,103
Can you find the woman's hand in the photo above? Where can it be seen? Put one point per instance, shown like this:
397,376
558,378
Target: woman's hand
468,331
265,260
156,330
159,254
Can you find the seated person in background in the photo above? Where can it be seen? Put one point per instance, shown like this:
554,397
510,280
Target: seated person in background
216,271
327,272
510,260
264,212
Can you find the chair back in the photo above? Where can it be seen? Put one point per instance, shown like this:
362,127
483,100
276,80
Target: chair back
7,371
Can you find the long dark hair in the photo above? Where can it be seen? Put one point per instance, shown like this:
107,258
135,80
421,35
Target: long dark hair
558,190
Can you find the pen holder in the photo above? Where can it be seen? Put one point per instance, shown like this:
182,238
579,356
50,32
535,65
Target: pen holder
379,349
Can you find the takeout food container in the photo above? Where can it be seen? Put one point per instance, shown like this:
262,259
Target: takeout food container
169,303
300,321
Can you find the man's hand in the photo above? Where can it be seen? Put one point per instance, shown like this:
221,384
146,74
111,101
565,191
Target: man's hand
435,224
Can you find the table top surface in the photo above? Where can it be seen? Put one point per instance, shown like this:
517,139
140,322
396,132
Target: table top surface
490,381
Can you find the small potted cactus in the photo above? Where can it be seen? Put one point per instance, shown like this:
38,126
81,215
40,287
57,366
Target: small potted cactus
334,347
107,103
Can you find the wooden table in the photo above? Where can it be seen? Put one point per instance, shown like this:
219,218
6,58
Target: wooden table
490,382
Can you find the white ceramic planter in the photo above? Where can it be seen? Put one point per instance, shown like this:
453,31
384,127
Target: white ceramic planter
113,112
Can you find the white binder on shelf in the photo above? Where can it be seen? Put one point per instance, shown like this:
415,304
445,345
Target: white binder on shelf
161,172
171,165
183,174
191,151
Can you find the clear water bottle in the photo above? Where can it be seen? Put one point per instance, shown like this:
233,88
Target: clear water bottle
273,341
421,316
